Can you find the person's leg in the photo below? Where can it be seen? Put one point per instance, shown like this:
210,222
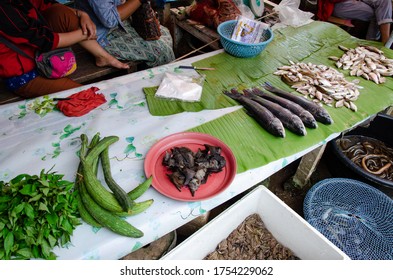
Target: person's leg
383,15
130,46
385,32
102,57
62,19
42,86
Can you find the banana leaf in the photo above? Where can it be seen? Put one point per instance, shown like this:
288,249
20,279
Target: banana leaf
251,144
313,43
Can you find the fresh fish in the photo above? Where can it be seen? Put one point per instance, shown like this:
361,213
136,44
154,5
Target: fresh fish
319,113
262,115
288,119
295,108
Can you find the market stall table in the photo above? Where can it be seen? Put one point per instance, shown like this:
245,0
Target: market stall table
33,140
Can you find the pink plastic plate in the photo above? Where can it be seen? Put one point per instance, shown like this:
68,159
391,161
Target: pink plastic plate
216,182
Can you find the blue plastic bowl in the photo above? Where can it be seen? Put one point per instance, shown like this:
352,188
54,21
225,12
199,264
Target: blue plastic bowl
240,49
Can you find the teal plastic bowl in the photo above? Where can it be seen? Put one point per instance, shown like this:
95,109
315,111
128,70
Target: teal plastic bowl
240,49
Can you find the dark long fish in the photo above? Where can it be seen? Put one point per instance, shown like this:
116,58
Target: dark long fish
262,115
288,119
319,113
306,117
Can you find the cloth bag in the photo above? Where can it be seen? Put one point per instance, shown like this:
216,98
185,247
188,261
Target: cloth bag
146,23
54,64
57,63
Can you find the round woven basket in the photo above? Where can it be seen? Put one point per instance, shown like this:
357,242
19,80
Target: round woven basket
356,217
240,49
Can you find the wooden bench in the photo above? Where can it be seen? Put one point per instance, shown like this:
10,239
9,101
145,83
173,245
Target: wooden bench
180,26
87,72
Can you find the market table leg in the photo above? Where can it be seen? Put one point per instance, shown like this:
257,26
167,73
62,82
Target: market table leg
307,166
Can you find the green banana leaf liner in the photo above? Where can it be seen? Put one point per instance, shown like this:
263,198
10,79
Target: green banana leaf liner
251,144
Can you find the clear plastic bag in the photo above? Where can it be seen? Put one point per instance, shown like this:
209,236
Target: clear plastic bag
290,14
244,8
184,87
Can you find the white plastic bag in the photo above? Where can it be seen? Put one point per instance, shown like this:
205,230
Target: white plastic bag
181,87
244,8
290,14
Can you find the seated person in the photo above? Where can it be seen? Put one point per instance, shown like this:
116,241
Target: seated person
212,12
116,35
43,25
377,12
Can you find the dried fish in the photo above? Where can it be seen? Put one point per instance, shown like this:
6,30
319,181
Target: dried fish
339,103
334,58
343,48
322,83
372,48
261,114
366,61
374,77
352,106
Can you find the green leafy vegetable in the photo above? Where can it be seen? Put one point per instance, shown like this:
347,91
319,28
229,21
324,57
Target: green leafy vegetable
43,106
37,213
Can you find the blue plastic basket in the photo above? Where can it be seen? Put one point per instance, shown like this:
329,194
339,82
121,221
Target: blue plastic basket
354,216
240,49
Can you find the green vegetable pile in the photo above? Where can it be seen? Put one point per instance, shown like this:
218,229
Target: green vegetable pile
98,206
37,213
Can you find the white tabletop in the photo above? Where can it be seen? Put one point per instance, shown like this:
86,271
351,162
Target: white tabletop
31,143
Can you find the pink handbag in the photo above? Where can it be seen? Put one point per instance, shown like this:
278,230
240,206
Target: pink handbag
57,63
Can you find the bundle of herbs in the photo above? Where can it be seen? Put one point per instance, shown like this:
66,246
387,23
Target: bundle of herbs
37,213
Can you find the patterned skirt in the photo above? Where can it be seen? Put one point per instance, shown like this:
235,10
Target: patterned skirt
130,46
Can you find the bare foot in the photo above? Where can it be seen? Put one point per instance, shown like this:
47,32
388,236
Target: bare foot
111,61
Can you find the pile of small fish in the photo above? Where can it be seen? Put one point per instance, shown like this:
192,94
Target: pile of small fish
365,61
280,109
321,83
191,169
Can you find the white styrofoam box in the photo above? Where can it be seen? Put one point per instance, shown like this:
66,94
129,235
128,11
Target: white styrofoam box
288,227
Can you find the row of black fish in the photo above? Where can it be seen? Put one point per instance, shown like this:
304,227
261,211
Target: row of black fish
283,109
